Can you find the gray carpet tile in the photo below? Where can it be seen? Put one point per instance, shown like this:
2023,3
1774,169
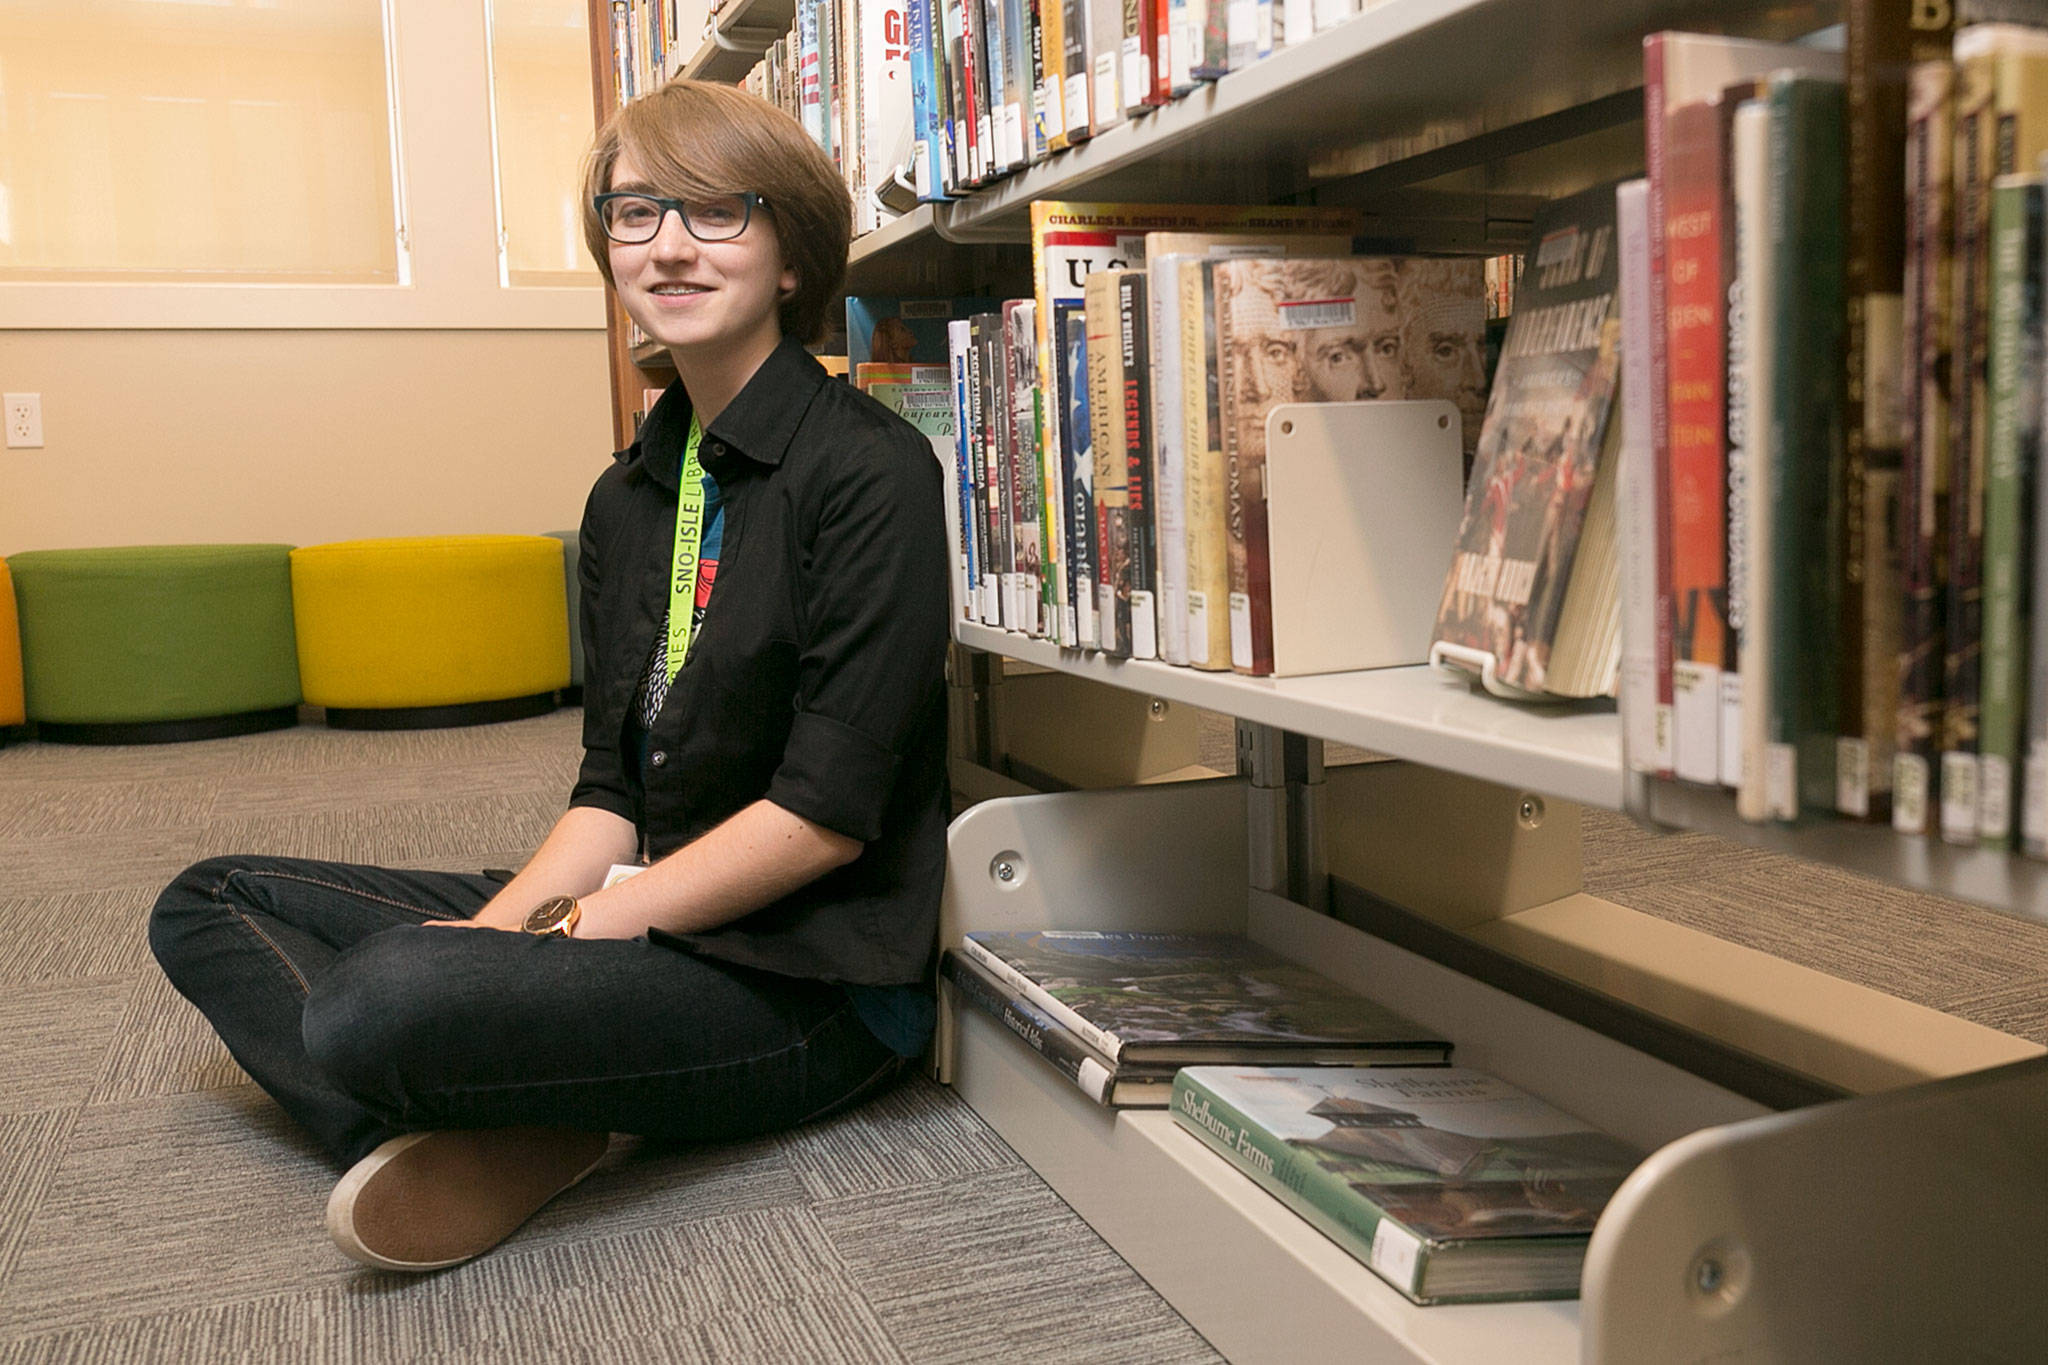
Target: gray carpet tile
103,808
415,831
56,1032
163,1047
254,1332
313,748
76,934
1057,1293
642,1187
120,762
1618,854
167,1202
257,795
758,1286
915,1134
34,1144
92,862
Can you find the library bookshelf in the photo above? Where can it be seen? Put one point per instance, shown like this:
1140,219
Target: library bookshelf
1453,889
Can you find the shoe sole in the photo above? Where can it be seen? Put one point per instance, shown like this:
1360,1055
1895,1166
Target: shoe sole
340,1213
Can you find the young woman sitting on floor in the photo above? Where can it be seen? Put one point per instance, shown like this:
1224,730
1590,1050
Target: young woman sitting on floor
774,749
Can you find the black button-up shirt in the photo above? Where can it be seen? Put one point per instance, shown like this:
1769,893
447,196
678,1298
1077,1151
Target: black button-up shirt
818,679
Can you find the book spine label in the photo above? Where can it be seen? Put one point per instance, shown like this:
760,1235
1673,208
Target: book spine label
1334,1207
1038,1030
1108,1044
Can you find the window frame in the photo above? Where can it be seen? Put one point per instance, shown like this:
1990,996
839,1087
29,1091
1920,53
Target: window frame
450,277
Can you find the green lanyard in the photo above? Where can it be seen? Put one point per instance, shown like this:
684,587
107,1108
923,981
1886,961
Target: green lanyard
682,582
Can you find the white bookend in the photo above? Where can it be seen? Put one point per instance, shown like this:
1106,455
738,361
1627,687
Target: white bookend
1364,501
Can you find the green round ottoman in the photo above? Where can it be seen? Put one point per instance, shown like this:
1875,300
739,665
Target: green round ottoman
147,644
572,550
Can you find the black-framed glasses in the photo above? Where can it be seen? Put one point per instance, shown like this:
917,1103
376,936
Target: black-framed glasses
631,218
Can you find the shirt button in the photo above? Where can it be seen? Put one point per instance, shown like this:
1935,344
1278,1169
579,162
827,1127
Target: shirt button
718,448
657,758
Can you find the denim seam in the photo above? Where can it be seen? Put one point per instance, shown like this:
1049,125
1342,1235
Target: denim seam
874,1076
220,900
346,891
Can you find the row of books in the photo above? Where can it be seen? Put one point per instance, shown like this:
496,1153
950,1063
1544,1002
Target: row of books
1449,1183
940,97
1843,273
644,40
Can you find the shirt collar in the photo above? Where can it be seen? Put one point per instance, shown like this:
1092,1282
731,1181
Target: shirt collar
758,424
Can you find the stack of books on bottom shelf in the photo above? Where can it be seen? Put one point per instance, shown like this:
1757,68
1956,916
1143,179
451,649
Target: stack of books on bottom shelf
1449,1183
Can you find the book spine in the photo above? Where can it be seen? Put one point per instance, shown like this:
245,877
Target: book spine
1044,95
1807,247
968,572
1026,476
1077,86
1169,460
1208,592
2012,438
1333,1206
1108,1044
1976,119
2033,817
1105,55
1112,518
1021,85
1003,428
1645,742
1735,430
1135,74
1755,799
1038,1030
1251,585
1183,44
1660,371
1923,471
1696,370
1078,461
1135,411
1212,55
1053,59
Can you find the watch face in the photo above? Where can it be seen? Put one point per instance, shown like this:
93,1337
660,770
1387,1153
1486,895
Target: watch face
549,914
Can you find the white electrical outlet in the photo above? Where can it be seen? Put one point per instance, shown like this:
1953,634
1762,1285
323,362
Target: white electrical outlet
24,421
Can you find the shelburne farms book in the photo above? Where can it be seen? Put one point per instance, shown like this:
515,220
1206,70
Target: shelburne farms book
1449,1183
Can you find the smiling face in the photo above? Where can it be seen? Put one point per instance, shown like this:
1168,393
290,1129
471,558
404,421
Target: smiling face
702,299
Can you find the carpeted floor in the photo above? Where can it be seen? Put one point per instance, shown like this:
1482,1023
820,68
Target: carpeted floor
154,1206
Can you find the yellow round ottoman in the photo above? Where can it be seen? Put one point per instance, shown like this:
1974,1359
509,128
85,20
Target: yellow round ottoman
427,631
13,707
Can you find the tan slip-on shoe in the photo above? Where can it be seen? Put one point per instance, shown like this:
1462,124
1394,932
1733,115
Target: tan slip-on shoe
426,1201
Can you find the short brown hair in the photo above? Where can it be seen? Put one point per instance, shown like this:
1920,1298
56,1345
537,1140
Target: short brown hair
694,139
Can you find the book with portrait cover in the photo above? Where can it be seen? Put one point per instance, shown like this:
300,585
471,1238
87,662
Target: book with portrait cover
902,331
1070,240
1535,584
1334,331
1448,1183
1187,998
1114,1085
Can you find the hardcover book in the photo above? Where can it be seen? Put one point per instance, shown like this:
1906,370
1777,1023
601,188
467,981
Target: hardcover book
1112,509
1528,577
1129,1085
1167,997
1924,464
1450,1184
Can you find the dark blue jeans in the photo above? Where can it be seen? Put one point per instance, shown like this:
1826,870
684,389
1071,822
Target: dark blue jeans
329,991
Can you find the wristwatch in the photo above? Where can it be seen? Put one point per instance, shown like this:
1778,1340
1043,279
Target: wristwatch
554,917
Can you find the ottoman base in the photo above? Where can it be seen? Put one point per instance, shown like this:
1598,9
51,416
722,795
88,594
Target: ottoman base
167,731
439,717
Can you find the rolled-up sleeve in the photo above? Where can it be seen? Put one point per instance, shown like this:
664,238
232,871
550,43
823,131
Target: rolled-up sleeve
873,656
600,781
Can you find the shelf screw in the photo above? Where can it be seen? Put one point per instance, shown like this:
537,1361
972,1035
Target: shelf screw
1708,1276
1158,709
1531,812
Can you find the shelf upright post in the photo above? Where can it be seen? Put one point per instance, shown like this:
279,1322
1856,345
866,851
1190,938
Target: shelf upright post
974,710
1284,813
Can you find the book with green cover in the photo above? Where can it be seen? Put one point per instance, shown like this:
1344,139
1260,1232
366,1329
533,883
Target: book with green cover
2012,441
1805,471
1450,1184
1158,997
